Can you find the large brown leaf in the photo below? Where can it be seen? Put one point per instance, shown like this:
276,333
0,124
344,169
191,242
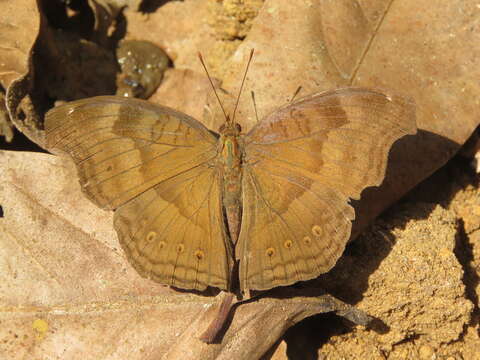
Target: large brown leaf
429,53
67,291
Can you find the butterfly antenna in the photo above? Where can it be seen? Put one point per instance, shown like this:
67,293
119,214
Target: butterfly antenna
295,94
254,105
243,81
213,86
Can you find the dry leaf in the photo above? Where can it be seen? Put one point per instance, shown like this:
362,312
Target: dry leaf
68,292
406,47
179,82
6,126
19,27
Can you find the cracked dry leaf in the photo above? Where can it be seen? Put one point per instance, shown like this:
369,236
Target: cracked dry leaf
67,292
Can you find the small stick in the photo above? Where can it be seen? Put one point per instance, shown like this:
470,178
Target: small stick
219,321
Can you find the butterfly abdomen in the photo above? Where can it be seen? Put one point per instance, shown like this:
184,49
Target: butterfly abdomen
231,160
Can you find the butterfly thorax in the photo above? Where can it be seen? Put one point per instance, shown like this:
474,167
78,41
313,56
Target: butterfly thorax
231,154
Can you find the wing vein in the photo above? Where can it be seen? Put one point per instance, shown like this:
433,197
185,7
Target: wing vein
328,203
286,225
145,180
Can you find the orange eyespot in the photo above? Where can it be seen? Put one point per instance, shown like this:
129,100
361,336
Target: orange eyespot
180,248
151,236
317,230
270,252
199,254
307,240
288,244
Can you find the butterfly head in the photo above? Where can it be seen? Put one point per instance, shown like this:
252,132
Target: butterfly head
230,128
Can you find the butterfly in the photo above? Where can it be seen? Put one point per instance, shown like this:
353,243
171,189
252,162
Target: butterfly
196,208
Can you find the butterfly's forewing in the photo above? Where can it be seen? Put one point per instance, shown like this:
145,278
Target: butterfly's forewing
153,165
302,165
123,147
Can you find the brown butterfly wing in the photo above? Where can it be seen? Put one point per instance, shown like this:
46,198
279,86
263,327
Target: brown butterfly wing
302,165
173,233
123,147
153,165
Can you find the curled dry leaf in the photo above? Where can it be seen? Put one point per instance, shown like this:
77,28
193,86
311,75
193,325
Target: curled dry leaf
19,27
21,24
6,126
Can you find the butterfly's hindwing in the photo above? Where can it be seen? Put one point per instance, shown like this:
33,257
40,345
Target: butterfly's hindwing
171,233
303,164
